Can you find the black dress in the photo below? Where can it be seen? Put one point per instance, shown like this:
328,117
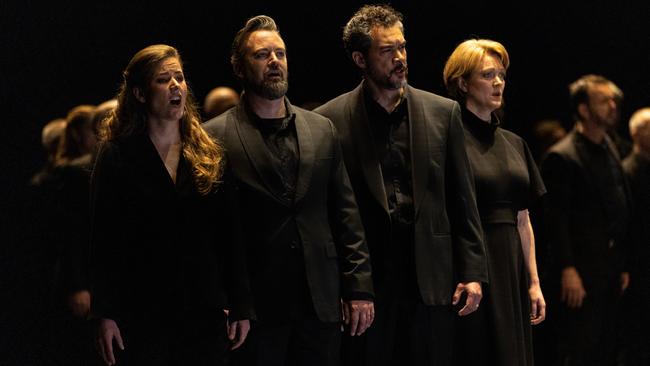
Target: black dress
165,260
507,181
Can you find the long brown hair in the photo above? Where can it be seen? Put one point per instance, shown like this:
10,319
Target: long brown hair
205,155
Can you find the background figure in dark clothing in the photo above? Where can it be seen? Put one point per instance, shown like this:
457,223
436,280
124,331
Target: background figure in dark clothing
306,248
165,242
74,164
403,148
588,207
69,209
637,169
57,245
507,185
50,137
547,132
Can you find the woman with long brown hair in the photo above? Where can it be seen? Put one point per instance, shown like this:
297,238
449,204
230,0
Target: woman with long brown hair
165,252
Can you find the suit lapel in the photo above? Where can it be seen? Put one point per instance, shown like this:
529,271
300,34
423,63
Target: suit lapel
368,160
419,148
307,156
255,148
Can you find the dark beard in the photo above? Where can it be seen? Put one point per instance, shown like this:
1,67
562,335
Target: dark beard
267,89
384,80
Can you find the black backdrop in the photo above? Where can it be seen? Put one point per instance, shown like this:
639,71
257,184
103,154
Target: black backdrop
60,54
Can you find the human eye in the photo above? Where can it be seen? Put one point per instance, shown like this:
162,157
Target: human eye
261,55
488,75
180,77
162,79
502,75
280,53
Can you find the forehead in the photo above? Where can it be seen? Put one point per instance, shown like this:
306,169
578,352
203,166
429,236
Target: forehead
381,35
490,60
264,39
601,90
171,64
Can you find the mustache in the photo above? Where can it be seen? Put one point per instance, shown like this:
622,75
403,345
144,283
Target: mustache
399,67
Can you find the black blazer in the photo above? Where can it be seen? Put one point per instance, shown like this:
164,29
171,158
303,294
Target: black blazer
159,248
324,212
448,245
576,228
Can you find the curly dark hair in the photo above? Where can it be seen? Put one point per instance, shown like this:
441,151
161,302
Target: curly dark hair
356,33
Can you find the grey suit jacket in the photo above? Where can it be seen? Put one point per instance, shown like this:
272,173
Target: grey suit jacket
448,237
324,211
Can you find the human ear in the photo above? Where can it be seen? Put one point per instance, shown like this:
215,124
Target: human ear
462,84
583,111
237,70
137,92
358,59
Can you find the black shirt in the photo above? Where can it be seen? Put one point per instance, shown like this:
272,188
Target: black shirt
390,133
391,139
280,137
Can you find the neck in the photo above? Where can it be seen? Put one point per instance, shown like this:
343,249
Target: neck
483,114
591,131
164,132
265,108
640,151
387,98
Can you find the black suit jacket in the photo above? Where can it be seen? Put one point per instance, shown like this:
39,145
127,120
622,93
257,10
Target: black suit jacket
576,219
324,213
448,245
160,249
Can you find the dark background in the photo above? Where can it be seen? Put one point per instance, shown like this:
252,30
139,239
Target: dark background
59,54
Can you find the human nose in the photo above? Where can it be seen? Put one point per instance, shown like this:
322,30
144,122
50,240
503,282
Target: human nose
613,103
400,54
274,58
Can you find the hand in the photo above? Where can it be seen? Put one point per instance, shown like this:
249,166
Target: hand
474,295
106,332
573,293
238,331
537,304
625,281
79,304
359,315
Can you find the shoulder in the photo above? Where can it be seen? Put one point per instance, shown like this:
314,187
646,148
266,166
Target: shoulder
216,125
435,100
562,153
335,106
310,116
109,150
110,156
566,147
513,138
315,121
